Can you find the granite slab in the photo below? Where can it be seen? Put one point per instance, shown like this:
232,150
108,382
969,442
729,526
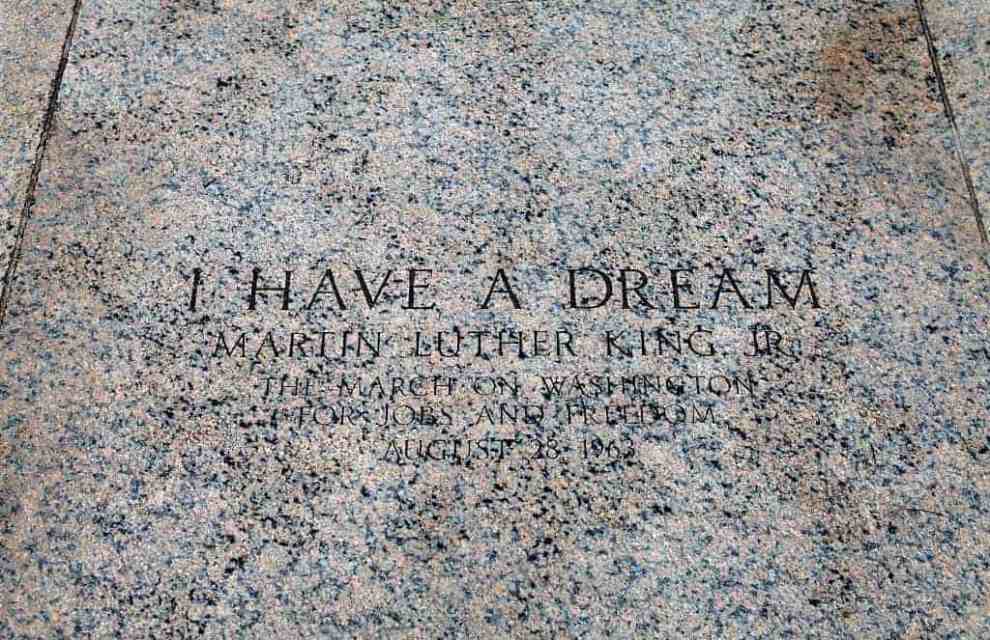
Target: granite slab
31,39
558,319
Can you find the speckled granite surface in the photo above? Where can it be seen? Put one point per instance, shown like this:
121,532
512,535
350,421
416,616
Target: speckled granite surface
177,467
31,36
963,35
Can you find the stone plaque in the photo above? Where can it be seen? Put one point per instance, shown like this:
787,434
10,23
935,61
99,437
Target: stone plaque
463,319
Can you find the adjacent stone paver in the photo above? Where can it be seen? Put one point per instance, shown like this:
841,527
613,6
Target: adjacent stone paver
31,37
962,30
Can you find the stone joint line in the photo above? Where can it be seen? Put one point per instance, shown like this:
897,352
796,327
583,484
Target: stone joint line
950,114
46,129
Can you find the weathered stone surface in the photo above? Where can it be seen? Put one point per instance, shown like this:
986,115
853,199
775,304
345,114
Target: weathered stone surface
160,484
31,36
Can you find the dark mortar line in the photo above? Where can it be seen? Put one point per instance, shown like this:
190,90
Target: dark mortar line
950,114
39,155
